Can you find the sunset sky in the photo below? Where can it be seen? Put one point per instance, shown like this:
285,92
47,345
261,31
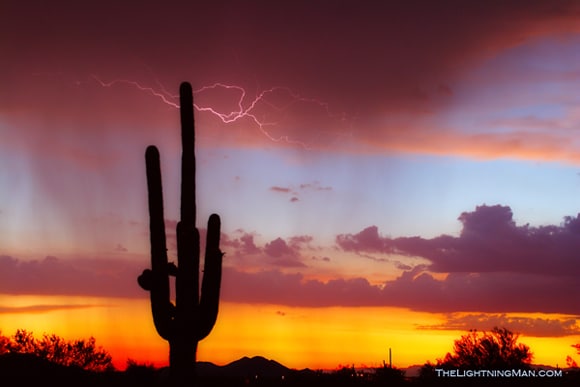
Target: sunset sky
388,176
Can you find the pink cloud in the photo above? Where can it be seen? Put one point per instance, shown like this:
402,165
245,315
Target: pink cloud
300,240
278,248
414,289
244,252
95,277
275,287
282,254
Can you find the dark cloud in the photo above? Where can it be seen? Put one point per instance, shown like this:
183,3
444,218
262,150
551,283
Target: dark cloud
538,327
494,265
266,37
483,292
363,61
367,240
490,242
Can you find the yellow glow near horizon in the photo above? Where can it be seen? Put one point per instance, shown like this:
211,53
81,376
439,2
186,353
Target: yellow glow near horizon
323,337
317,338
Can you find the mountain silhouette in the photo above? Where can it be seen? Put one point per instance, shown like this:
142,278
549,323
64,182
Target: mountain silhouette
245,367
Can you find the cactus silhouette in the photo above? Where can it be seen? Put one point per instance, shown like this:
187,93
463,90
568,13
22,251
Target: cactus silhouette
193,316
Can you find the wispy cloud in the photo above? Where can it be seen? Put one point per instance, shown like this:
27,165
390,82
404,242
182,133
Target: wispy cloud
529,326
44,308
415,289
95,277
280,189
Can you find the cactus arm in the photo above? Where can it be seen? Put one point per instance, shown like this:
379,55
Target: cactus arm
210,287
161,307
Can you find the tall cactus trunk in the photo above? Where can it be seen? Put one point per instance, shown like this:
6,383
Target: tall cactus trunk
192,317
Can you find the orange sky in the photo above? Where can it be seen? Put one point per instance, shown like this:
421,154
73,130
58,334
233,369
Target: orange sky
317,338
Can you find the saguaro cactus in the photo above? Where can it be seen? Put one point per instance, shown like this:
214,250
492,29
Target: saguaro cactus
192,317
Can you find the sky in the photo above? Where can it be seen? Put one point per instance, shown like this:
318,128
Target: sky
388,175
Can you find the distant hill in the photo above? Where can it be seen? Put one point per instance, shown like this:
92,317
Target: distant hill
245,368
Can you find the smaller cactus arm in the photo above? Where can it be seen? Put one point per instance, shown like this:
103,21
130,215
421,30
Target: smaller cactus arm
156,218
210,287
157,279
162,309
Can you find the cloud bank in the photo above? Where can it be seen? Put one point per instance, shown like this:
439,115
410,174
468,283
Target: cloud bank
493,266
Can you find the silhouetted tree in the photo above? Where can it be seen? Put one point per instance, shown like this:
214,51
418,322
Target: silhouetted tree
570,362
4,341
80,353
496,349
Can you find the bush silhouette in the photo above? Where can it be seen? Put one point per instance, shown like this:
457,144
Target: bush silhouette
78,353
497,349
570,362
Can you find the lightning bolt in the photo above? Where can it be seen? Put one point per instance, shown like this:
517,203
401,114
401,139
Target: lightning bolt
246,106
163,95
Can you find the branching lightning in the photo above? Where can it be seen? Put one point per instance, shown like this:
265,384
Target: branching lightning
246,106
